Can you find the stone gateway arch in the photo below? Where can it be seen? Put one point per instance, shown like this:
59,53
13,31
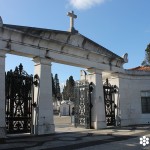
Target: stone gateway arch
45,46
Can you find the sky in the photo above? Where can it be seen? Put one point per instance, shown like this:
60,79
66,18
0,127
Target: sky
122,26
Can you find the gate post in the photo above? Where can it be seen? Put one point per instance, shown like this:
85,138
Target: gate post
2,96
98,119
43,121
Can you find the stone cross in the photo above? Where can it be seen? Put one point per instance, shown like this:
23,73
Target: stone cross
72,17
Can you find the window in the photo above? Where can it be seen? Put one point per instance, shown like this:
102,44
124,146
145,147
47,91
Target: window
145,101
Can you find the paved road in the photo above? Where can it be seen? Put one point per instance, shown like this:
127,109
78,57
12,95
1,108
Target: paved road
70,138
85,140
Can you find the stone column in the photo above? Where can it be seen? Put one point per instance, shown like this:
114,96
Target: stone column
43,112
98,110
2,96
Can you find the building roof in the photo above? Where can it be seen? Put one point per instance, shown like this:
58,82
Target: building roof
68,102
141,68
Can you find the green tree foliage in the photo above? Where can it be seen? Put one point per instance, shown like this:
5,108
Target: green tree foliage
146,61
68,90
53,87
56,87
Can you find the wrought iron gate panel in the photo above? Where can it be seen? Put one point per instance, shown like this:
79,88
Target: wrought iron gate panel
18,101
82,104
109,90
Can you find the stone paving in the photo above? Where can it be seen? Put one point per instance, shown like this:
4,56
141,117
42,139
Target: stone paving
69,138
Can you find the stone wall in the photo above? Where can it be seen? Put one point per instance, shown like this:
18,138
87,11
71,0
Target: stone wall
128,98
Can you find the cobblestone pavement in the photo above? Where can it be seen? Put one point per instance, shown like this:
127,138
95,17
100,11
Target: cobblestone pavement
69,138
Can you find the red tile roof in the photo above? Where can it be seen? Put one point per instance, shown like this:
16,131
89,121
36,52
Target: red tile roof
141,68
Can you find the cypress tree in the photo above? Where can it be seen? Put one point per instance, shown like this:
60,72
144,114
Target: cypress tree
53,87
57,87
68,90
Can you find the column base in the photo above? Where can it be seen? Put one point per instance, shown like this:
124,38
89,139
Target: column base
46,129
98,124
2,135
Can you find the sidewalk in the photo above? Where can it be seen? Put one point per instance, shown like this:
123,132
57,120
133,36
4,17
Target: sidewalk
70,138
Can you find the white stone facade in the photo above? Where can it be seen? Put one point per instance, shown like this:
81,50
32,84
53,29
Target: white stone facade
2,95
46,46
43,113
129,84
98,110
64,109
128,99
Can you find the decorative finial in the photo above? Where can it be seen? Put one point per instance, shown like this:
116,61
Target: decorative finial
72,17
1,22
125,57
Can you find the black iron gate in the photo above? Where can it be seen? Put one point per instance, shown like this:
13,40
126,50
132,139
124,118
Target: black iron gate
83,104
18,101
110,106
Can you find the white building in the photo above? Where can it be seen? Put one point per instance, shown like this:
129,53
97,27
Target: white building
66,108
132,99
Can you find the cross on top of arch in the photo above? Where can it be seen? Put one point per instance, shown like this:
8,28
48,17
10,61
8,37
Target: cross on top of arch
72,17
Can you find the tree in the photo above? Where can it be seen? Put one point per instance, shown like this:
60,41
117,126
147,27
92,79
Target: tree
68,90
146,61
71,84
53,87
57,87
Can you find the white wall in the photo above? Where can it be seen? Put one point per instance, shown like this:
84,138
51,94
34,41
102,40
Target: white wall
98,120
129,104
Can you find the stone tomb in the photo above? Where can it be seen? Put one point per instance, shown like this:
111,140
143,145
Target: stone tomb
66,108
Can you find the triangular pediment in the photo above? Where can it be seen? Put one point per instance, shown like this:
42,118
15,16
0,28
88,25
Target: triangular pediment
64,37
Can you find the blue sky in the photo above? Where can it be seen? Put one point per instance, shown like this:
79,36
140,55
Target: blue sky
119,25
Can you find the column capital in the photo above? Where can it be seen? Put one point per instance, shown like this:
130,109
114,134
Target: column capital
94,70
39,60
